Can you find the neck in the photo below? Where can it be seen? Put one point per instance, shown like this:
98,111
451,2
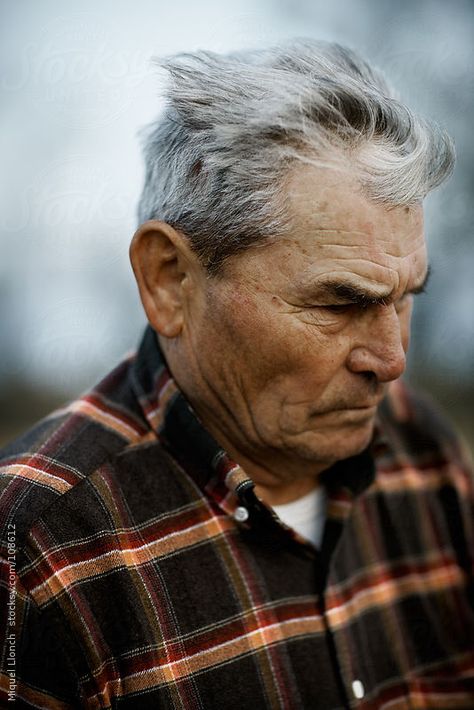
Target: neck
278,478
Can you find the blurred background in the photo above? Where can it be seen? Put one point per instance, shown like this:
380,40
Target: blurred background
76,85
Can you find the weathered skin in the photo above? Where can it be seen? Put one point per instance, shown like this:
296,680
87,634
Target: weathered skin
286,376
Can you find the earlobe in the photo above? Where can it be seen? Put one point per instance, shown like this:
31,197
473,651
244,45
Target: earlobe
155,255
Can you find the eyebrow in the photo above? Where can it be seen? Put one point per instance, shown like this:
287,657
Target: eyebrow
363,296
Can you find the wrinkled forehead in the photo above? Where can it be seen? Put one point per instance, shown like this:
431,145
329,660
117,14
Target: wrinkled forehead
335,234
336,228
335,231
331,206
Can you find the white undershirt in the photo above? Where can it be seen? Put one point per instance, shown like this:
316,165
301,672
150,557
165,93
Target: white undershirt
306,515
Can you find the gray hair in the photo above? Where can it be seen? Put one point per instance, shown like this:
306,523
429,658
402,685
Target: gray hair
234,125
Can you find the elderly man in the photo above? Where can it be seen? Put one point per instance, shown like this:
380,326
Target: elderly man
253,511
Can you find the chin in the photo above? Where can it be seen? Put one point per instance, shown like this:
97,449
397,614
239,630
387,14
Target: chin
334,445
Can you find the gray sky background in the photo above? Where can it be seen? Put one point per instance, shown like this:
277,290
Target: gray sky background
76,84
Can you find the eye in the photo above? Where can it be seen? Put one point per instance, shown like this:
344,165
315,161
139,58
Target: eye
339,307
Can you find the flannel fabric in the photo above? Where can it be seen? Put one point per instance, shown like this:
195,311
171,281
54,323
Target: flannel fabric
140,570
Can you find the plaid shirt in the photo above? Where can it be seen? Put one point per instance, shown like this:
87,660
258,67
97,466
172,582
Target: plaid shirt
140,570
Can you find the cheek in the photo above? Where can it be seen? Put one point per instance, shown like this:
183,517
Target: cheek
241,337
263,344
275,345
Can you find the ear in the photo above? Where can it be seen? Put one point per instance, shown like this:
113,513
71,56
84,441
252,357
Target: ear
162,262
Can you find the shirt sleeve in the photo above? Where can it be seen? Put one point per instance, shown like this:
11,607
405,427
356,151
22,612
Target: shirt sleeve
34,670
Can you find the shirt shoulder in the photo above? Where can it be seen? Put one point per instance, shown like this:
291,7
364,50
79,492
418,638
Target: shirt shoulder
416,437
51,459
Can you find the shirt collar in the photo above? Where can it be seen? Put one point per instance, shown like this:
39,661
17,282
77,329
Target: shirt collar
172,418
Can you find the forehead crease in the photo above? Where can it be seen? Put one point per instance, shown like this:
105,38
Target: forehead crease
340,230
405,249
357,219
359,257
362,269
379,250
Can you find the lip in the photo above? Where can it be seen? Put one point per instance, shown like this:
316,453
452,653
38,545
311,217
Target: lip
364,409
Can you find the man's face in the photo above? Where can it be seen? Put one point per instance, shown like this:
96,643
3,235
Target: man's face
294,341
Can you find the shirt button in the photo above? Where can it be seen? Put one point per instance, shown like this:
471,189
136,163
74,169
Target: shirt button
358,689
241,514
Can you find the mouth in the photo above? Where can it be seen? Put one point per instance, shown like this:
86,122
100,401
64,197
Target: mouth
368,409
363,403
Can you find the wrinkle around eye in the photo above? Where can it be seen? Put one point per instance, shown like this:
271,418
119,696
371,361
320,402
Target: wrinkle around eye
325,317
330,315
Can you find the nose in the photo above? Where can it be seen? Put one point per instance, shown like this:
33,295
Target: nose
381,344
